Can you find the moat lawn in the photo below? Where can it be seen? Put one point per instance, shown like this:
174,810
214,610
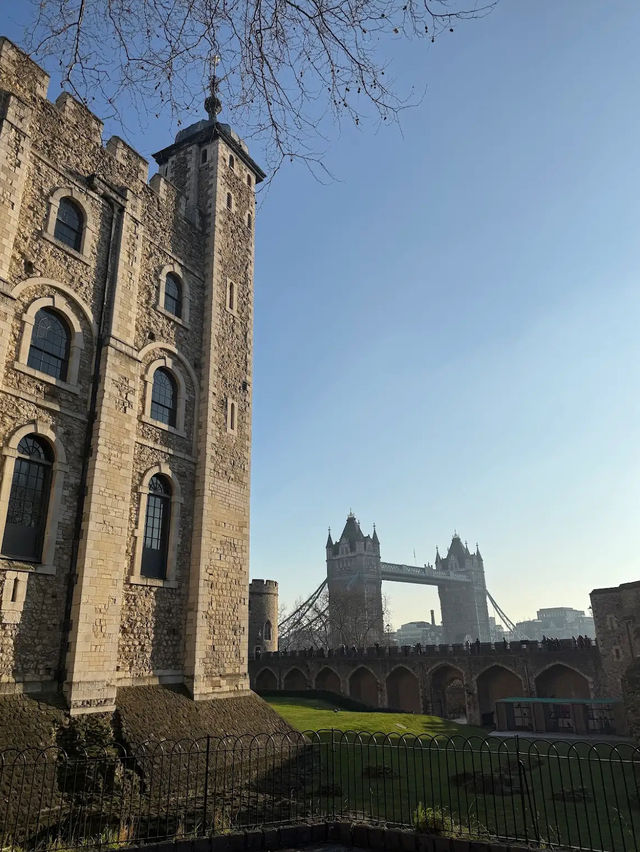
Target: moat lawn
576,795
316,714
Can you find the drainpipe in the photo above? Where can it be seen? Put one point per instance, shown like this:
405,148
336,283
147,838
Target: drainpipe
116,202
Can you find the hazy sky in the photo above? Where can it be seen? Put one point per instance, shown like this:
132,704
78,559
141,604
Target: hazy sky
447,332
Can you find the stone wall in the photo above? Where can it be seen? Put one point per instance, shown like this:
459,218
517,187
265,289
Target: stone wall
263,608
84,614
616,615
418,682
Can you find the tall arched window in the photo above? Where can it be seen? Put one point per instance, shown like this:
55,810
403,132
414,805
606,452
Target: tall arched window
164,397
267,631
173,295
29,500
155,547
69,224
49,349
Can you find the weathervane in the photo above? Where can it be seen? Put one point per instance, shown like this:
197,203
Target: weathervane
212,103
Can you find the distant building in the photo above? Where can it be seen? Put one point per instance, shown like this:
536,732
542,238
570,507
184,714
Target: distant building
422,632
557,622
496,631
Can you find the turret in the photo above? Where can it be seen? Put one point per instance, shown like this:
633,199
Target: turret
263,616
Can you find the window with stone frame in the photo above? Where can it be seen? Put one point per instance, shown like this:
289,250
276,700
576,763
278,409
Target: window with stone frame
267,631
26,519
157,524
69,225
173,295
50,344
164,397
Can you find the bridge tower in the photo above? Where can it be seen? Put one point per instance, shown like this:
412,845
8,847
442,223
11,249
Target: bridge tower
355,587
463,605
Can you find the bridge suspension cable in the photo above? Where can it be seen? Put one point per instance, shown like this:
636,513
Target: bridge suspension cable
296,619
503,616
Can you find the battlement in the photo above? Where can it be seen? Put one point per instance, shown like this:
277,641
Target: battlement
263,587
24,86
27,76
560,647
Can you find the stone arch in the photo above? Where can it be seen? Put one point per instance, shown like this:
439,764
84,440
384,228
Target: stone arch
363,686
266,681
10,453
89,225
295,680
492,684
403,690
448,698
68,311
170,581
178,271
63,288
328,680
558,680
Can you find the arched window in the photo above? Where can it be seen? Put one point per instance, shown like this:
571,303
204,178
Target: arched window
49,349
248,180
267,631
173,295
69,224
249,220
232,162
157,523
203,156
28,500
164,397
229,201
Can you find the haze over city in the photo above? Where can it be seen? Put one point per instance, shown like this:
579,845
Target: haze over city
446,328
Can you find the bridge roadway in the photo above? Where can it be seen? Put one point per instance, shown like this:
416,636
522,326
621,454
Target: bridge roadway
443,680
425,576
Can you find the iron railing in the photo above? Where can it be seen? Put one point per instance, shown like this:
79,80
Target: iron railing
553,794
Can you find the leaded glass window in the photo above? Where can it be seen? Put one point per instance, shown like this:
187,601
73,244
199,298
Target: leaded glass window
69,224
164,397
156,529
173,295
28,500
49,349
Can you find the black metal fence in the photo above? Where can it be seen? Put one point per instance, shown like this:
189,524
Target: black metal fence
553,794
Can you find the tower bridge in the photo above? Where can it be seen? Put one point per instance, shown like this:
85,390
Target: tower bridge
355,573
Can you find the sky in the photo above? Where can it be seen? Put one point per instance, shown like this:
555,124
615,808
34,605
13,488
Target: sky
446,332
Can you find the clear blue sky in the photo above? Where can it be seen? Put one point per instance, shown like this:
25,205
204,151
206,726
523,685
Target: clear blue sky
447,333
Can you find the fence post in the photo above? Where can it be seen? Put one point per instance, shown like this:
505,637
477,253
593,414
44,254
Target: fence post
206,785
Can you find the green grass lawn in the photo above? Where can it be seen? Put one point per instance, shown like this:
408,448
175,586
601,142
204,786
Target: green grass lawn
564,794
316,714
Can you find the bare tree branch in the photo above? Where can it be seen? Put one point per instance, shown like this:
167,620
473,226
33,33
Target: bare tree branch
287,65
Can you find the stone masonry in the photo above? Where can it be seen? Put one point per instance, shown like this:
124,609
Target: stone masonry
84,617
263,616
616,615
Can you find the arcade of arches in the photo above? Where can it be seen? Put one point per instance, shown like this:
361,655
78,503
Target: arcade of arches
328,680
447,693
562,682
454,689
493,684
403,691
363,686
